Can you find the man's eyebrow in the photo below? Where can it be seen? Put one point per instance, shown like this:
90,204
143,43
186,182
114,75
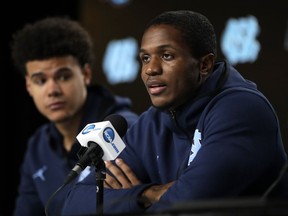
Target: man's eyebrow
141,50
36,74
161,47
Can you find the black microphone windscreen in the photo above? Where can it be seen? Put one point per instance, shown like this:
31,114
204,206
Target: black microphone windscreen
119,123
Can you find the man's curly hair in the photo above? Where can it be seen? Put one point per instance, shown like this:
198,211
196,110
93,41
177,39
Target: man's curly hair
51,37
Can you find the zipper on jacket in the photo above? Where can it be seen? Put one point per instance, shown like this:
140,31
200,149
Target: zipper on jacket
173,116
184,163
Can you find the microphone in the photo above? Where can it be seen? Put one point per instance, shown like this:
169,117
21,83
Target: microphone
101,140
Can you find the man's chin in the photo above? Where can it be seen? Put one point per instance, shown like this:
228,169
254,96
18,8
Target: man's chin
59,120
162,107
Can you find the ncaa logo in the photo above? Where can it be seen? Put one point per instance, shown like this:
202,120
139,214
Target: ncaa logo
108,135
88,129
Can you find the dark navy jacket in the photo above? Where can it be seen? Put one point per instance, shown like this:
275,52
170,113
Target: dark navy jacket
46,164
224,143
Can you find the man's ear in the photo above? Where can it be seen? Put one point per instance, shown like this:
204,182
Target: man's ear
87,73
28,84
206,65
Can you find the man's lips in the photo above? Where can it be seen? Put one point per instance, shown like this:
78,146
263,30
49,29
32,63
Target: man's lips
155,87
56,105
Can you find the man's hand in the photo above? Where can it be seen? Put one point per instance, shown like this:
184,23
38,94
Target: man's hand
123,176
154,193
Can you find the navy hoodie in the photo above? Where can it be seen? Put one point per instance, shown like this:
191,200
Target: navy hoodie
46,164
224,143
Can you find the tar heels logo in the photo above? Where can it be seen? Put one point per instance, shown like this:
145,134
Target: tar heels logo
108,135
239,40
120,63
88,129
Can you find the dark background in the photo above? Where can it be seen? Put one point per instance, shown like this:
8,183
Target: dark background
105,22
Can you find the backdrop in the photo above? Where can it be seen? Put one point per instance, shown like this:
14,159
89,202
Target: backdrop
251,36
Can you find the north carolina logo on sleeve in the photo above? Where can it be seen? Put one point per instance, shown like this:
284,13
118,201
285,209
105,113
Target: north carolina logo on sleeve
196,145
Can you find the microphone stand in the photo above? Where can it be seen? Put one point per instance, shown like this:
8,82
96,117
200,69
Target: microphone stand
100,170
94,155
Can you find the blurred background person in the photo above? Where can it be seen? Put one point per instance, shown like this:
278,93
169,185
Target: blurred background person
56,57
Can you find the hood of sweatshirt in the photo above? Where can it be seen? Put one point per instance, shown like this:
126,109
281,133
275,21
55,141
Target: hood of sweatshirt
223,77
